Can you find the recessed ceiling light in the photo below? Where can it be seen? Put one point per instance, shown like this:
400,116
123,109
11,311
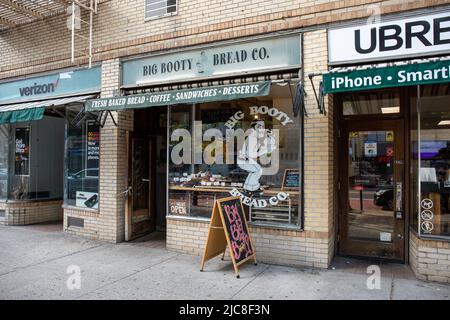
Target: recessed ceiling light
444,123
390,110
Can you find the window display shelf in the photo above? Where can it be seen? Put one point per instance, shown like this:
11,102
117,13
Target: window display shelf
227,189
282,212
269,218
199,200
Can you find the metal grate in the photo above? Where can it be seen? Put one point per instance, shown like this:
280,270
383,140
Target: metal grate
18,12
75,222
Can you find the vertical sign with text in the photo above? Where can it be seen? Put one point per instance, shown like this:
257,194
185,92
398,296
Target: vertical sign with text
92,148
22,151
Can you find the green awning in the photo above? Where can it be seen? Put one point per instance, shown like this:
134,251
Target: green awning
172,97
22,115
400,74
28,111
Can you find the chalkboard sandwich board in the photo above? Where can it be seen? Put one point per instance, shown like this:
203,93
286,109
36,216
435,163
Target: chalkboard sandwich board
291,179
228,228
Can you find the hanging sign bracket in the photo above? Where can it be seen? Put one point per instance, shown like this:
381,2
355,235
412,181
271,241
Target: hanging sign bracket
320,99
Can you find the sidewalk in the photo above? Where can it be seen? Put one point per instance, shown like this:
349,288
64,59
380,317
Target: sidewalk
34,260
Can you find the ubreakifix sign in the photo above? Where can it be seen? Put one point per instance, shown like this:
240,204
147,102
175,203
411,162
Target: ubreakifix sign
411,37
387,77
51,85
241,57
198,95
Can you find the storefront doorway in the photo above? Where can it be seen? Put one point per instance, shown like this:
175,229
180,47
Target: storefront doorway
372,212
139,218
372,172
146,202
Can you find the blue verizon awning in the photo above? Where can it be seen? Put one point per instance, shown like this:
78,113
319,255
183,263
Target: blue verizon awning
29,111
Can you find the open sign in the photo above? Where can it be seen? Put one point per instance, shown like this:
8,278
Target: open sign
178,207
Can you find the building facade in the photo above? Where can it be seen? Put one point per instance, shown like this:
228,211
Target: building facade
354,166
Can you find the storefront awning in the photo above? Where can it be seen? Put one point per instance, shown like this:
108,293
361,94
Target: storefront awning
278,76
29,111
387,75
173,97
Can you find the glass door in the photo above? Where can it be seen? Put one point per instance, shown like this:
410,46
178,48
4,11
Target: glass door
372,190
139,219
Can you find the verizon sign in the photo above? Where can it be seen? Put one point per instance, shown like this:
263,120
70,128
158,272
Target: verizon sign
412,37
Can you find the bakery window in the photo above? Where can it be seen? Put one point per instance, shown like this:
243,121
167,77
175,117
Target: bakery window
82,160
248,148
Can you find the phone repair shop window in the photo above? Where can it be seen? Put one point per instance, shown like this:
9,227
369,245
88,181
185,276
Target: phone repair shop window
431,159
248,148
367,103
160,8
82,161
36,160
4,152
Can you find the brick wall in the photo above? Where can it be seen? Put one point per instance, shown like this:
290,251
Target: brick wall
277,246
113,174
23,213
90,219
289,247
318,146
120,29
429,259
186,236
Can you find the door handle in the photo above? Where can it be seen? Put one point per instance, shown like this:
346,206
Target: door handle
398,201
145,180
127,192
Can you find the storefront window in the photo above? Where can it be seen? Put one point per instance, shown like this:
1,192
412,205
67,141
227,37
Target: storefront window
414,161
248,148
371,184
36,159
82,161
431,155
371,103
4,151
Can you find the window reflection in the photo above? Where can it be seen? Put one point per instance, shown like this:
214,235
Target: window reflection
82,161
431,156
4,152
371,185
371,103
36,158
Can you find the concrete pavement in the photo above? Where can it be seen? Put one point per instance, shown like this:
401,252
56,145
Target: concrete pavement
34,261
